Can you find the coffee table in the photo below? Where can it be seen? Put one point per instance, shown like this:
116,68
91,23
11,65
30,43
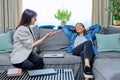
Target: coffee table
62,74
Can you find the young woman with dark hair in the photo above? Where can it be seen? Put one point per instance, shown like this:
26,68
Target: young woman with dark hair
81,45
24,43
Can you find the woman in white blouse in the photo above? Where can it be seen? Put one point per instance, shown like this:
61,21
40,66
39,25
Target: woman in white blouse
24,43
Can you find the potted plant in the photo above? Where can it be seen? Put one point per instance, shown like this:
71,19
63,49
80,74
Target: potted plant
63,16
114,8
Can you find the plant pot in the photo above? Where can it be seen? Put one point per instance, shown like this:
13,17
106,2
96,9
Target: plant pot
115,19
116,22
63,23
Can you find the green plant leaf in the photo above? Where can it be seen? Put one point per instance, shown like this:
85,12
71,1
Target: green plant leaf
63,15
113,7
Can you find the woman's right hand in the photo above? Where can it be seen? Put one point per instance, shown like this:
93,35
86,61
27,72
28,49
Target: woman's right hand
37,43
50,34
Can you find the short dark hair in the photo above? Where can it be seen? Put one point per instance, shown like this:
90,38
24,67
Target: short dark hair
26,17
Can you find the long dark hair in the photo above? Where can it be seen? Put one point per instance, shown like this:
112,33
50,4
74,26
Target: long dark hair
26,17
74,30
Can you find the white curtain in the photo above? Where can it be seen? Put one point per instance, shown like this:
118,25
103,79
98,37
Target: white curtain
99,15
10,11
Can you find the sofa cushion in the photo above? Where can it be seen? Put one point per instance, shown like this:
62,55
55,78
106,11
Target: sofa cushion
12,33
68,58
108,42
108,54
107,68
4,59
5,42
103,30
57,42
112,30
47,26
36,31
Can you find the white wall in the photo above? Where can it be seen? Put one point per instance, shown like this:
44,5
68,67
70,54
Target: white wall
81,10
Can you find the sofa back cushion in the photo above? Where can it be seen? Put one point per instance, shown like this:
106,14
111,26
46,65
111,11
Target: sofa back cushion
5,42
103,30
47,26
108,42
107,30
36,31
57,42
11,31
112,30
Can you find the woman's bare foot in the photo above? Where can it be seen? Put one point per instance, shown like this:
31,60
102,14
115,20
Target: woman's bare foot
87,79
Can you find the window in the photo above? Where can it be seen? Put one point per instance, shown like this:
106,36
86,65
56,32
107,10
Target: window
81,10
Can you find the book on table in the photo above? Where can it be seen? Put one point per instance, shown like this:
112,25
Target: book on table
41,72
14,72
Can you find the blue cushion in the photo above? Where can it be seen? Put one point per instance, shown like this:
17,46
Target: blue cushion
60,27
47,26
108,42
5,43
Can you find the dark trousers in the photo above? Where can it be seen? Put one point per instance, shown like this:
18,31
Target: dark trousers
33,62
85,51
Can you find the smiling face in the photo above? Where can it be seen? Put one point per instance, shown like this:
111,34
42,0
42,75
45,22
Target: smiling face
79,28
